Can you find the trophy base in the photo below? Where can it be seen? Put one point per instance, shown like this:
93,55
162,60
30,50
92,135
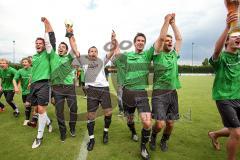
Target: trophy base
234,29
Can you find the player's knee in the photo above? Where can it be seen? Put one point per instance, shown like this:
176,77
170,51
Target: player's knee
147,124
91,116
236,133
160,124
130,118
41,110
170,124
27,105
108,113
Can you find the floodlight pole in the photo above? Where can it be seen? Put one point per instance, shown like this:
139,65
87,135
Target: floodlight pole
192,55
13,51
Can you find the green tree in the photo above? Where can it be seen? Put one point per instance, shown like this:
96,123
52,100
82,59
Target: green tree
205,62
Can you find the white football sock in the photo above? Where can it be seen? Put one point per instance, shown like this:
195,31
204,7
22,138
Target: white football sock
42,118
47,119
16,110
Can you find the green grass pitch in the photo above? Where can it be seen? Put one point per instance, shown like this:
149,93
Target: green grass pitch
189,140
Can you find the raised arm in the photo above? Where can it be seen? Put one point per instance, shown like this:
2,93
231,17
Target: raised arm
158,45
222,39
50,40
177,34
114,46
48,27
72,41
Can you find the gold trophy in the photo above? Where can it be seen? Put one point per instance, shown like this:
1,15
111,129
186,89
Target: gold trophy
68,24
233,6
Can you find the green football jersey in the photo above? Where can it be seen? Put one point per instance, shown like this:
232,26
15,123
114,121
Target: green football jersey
166,71
227,79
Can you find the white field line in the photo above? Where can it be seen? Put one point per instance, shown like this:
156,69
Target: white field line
83,149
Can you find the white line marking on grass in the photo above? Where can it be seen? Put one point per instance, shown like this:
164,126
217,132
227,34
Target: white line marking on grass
83,149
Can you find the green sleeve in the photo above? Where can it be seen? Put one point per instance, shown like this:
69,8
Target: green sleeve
176,54
116,61
13,71
17,75
123,58
149,53
71,56
52,54
215,63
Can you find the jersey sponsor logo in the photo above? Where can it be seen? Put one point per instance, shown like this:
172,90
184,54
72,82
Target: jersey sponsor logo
92,65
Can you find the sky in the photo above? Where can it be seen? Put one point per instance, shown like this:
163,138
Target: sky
200,22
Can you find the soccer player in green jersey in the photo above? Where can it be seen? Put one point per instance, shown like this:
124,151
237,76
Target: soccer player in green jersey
23,76
62,82
226,88
120,79
165,83
135,70
6,85
40,87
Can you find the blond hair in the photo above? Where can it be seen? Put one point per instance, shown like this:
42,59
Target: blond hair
4,60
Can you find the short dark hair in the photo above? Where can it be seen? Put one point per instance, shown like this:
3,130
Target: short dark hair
27,59
139,35
91,48
65,45
40,38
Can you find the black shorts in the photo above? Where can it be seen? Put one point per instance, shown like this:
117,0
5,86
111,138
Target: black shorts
40,93
133,99
26,98
63,90
165,105
8,94
230,112
96,96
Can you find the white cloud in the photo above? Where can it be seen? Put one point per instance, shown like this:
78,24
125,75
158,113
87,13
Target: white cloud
94,20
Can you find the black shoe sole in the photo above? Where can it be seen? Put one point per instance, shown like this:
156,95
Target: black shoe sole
90,148
153,148
105,141
163,149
